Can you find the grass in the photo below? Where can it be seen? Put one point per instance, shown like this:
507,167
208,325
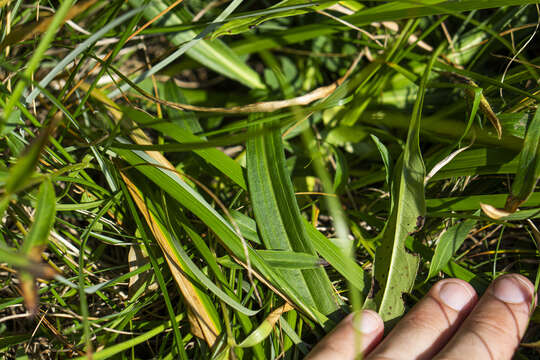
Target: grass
228,179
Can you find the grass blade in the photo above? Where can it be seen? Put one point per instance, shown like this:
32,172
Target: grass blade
528,171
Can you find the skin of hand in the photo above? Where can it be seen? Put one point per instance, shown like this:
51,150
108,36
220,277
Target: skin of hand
448,323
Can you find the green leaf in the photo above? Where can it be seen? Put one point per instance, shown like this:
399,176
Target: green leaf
332,253
393,11
341,176
528,166
290,259
172,184
472,202
395,268
33,63
385,155
280,222
343,135
265,328
38,235
449,242
246,22
213,156
21,172
247,226
215,55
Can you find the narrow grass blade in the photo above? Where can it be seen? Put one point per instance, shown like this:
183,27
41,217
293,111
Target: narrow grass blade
245,22
385,155
21,172
38,235
131,343
27,31
393,11
34,61
61,66
472,202
528,171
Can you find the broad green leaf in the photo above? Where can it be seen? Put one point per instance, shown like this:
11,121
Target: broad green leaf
290,259
212,54
343,135
528,168
394,267
280,222
449,242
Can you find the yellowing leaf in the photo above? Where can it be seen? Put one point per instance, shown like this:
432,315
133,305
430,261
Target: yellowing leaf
264,329
202,323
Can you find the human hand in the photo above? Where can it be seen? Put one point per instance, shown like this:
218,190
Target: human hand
448,323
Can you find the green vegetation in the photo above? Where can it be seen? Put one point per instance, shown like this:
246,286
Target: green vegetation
228,179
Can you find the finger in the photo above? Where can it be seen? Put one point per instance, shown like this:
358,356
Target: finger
496,325
352,336
430,323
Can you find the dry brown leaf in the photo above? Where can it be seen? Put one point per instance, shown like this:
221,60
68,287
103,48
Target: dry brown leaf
493,212
137,257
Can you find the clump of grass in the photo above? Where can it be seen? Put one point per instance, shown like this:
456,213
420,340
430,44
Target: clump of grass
227,180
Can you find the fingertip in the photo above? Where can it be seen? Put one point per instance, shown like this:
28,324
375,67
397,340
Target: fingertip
367,321
497,323
513,289
359,332
455,293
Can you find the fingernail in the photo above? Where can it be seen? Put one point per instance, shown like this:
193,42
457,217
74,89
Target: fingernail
512,289
366,322
455,295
